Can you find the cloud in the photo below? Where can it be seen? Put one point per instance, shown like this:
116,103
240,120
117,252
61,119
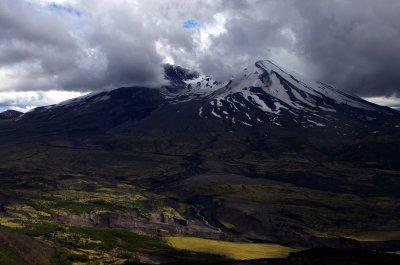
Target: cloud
353,43
48,50
77,45
392,101
27,100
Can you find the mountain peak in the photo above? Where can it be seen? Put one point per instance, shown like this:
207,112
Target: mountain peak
265,93
177,75
10,114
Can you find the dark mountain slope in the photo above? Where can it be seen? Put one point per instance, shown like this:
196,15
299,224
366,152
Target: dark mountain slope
10,114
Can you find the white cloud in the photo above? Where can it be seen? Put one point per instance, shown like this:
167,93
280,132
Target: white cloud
392,101
48,2
27,100
212,30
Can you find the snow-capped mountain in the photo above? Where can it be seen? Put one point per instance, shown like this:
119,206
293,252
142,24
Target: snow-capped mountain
188,85
263,96
265,93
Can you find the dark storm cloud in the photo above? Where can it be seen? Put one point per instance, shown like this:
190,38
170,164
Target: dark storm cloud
52,47
245,41
28,36
88,45
354,43
21,21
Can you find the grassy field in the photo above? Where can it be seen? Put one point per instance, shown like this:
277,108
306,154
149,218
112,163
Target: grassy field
233,250
57,244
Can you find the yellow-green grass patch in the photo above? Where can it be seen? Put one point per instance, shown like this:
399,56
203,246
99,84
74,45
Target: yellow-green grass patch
9,223
233,250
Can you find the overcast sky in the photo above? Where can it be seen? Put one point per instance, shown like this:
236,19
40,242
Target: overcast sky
52,50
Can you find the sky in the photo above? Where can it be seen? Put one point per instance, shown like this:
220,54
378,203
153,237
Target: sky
53,50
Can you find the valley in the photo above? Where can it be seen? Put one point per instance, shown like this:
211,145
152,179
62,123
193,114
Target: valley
298,203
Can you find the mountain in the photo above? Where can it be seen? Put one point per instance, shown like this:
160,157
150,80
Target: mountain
263,96
266,94
10,114
265,157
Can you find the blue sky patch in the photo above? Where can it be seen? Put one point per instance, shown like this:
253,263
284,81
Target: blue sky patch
191,24
64,9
